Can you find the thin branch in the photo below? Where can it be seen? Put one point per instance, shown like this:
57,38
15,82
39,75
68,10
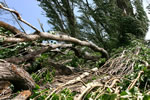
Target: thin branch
9,27
41,25
17,60
18,16
53,37
35,53
15,18
134,81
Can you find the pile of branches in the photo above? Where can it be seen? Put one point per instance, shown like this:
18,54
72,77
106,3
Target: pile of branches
96,82
14,67
119,78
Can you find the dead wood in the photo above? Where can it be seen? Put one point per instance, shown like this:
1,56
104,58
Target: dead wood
15,75
21,79
45,35
62,69
5,90
85,55
18,16
24,95
134,81
87,89
72,82
34,54
121,65
17,60
9,27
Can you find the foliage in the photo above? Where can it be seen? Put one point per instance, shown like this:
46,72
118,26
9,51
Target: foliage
109,23
65,94
61,15
104,22
139,91
13,50
43,76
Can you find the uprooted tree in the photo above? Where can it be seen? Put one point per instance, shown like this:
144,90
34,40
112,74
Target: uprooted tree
18,76
71,68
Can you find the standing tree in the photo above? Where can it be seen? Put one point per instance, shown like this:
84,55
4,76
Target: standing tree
108,23
61,15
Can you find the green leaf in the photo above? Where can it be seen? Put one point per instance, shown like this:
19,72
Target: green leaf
108,97
146,97
37,87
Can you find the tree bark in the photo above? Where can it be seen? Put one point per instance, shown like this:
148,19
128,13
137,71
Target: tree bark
17,76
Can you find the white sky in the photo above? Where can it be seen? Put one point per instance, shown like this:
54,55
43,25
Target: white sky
146,2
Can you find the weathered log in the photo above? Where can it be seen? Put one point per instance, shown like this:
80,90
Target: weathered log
17,76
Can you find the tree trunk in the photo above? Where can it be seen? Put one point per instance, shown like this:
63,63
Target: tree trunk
17,76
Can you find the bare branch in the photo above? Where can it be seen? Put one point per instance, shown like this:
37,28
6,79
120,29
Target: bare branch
74,40
41,25
45,35
9,27
17,60
135,80
32,55
19,17
15,18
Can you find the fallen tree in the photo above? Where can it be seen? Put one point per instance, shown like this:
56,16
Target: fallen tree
11,66
17,76
45,35
74,64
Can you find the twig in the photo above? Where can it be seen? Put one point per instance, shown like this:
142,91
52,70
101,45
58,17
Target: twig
117,90
148,93
89,87
41,25
15,18
134,81
115,79
46,35
18,16
75,80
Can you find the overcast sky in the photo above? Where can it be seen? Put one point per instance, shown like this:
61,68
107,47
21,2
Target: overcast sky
31,12
146,2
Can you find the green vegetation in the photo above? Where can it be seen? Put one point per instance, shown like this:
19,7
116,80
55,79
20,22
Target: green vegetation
107,23
79,71
140,88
